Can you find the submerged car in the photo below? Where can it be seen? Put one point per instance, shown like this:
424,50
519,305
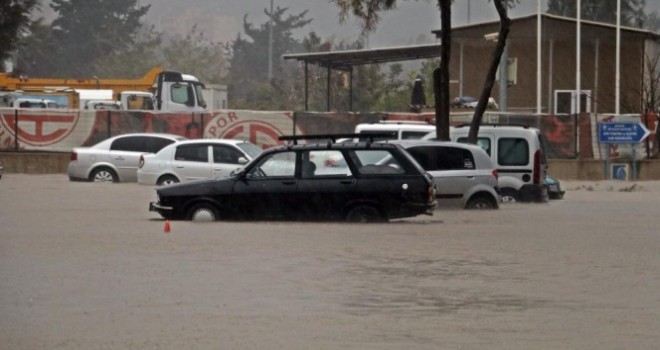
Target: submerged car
294,182
194,160
554,188
117,158
464,175
519,155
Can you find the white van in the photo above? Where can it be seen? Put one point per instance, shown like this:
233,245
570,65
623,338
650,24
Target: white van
405,130
519,156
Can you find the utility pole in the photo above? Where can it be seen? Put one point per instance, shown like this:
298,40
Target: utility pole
270,44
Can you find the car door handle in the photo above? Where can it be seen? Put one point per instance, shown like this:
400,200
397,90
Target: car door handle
217,169
119,158
347,182
289,182
471,177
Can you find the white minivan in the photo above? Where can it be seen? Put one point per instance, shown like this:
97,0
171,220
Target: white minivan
519,156
404,129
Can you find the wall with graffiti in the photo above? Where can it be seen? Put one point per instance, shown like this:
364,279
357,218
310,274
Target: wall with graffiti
567,137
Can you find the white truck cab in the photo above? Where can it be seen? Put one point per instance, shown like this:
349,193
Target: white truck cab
176,92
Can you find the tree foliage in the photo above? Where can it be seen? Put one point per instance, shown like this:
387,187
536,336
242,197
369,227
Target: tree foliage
106,38
248,73
89,29
14,21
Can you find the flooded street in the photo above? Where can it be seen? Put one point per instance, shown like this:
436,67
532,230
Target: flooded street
86,266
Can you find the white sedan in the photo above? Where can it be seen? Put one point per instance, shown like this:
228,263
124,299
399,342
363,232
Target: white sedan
195,159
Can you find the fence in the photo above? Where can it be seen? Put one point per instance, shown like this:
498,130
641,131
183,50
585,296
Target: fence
568,137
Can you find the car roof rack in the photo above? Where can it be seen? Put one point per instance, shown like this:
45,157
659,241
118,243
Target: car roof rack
494,125
334,137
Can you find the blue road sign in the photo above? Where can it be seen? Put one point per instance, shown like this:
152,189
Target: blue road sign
622,132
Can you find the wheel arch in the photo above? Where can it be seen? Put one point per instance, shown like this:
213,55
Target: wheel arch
103,165
167,174
488,195
202,200
349,206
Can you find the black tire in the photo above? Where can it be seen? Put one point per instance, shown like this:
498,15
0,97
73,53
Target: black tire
104,175
481,202
509,195
166,180
203,212
364,213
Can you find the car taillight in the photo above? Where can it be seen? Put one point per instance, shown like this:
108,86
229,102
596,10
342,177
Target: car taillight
431,194
141,163
537,167
497,176
74,156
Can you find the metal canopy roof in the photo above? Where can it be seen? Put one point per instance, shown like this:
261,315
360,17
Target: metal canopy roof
344,60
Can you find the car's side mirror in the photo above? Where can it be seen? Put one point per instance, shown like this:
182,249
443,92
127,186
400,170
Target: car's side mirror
238,172
242,160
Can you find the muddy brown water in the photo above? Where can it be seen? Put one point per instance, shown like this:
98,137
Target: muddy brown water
86,266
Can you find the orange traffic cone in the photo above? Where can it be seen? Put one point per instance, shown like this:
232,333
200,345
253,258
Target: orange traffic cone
166,228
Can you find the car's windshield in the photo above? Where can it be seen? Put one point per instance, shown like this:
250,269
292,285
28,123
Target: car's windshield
251,149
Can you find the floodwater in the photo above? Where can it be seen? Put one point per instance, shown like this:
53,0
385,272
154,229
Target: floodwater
86,266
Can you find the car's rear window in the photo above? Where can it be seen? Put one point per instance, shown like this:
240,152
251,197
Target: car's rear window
483,142
512,151
378,162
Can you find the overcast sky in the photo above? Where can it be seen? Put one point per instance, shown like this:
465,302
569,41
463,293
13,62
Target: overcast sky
222,20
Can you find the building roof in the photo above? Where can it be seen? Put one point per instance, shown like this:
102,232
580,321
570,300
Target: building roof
554,17
343,60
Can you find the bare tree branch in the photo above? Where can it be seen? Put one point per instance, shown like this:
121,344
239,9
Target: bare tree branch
505,25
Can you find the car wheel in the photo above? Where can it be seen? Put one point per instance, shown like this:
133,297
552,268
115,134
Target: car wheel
481,202
364,213
204,212
509,195
103,175
167,180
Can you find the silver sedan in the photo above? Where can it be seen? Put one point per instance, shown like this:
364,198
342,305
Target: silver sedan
194,160
116,159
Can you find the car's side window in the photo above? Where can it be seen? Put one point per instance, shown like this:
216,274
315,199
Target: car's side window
282,164
435,158
225,154
512,151
413,135
192,153
324,163
129,143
